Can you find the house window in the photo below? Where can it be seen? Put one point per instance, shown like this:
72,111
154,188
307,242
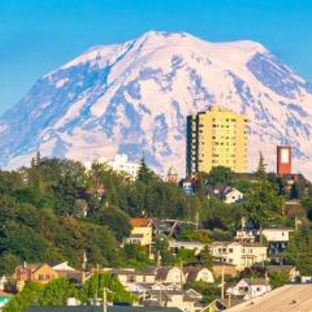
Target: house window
144,279
230,250
130,278
43,277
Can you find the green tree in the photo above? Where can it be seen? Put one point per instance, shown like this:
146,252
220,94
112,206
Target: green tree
195,236
162,250
117,221
25,299
136,256
299,251
210,292
206,258
57,292
295,191
94,288
184,256
263,204
279,278
145,175
261,170
220,174
8,262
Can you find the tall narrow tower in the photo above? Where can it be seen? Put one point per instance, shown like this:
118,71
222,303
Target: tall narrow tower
217,137
284,156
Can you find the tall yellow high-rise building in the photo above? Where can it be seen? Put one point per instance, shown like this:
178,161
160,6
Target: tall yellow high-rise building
217,137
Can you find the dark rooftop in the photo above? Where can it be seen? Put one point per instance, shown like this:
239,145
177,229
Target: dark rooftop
100,309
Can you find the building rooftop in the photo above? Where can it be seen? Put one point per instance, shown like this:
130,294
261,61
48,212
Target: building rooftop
140,222
100,309
255,281
295,298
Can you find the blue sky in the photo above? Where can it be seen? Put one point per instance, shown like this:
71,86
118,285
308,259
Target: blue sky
37,36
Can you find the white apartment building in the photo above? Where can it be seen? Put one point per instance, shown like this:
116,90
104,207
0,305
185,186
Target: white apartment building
242,255
119,164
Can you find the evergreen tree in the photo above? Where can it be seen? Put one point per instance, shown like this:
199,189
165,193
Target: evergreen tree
261,170
299,251
144,174
295,191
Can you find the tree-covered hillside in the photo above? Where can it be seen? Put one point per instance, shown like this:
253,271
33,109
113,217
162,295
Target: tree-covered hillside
56,209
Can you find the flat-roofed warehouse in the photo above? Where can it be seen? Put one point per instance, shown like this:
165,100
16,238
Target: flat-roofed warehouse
295,298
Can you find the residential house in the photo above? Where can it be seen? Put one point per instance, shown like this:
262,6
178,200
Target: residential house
100,309
185,300
246,235
196,274
189,185
248,288
220,305
169,278
42,273
63,269
278,238
166,227
242,255
131,278
216,190
141,289
142,231
231,195
60,265
197,247
171,275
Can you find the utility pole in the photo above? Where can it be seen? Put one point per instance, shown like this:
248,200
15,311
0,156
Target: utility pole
181,274
222,283
197,219
97,283
104,300
160,294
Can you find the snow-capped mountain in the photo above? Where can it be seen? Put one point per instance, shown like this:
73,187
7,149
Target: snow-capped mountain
133,98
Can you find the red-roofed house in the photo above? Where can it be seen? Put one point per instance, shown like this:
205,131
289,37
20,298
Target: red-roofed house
142,231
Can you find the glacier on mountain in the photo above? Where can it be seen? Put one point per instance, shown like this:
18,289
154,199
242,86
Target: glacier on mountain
133,98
